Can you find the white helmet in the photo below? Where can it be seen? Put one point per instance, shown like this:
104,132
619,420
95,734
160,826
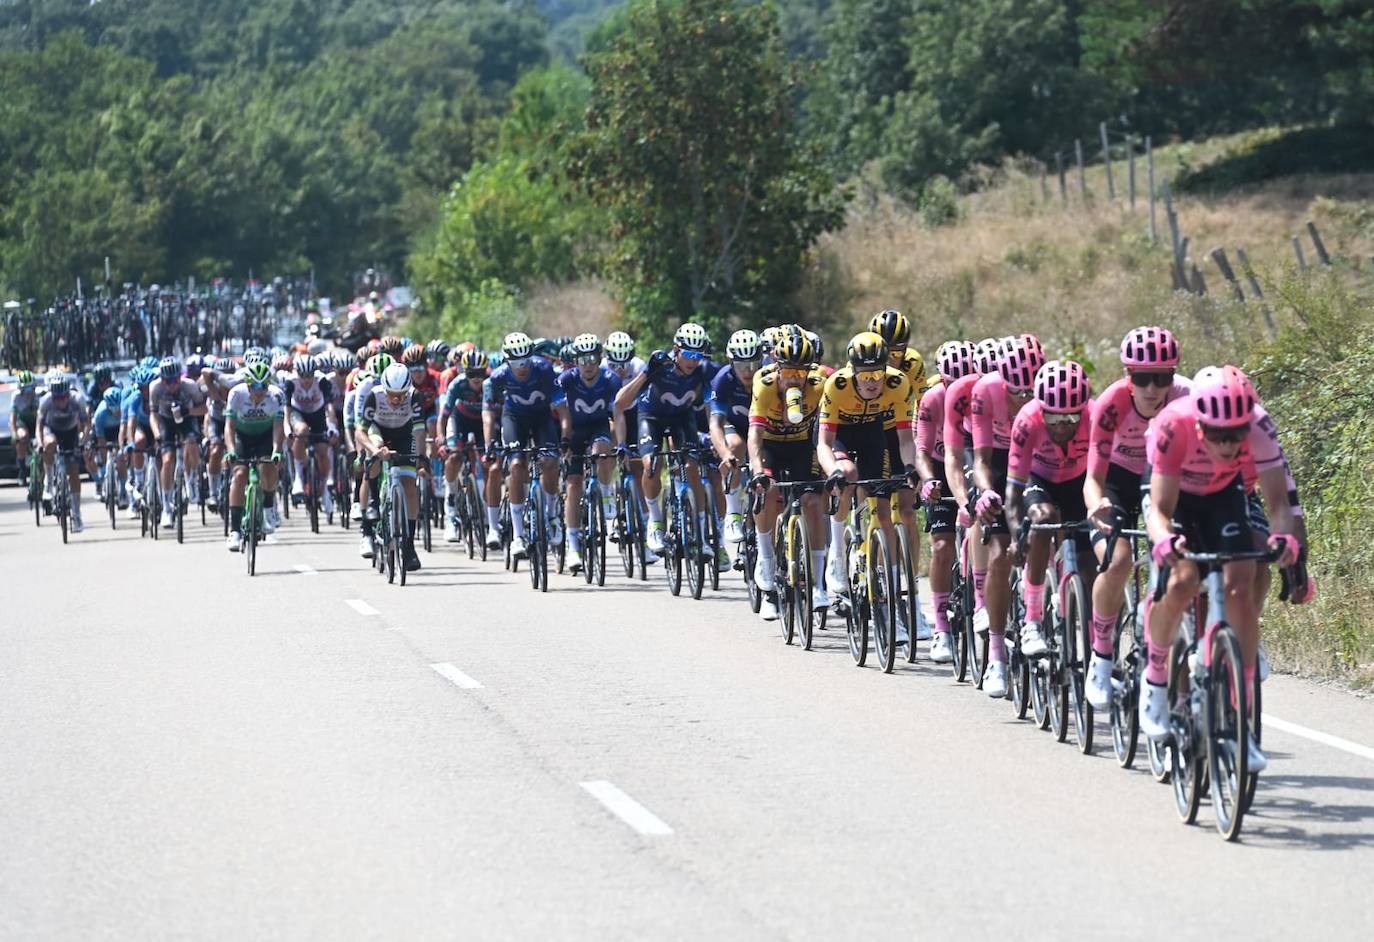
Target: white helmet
620,347
743,345
691,337
517,345
396,378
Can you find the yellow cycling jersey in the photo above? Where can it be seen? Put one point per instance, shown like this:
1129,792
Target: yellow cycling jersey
842,405
913,366
768,411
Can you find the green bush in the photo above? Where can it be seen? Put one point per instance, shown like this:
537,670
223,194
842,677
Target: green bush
939,202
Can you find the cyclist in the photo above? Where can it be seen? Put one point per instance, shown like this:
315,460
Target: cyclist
895,330
669,394
392,428
254,428
732,391
997,399
956,360
24,420
621,360
216,380
1200,450
426,383
517,410
64,422
782,421
310,401
105,429
1112,489
172,403
460,416
856,403
138,431
589,392
1045,470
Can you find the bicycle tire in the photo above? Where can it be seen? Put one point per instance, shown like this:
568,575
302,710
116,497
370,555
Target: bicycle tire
749,558
179,504
856,612
1256,729
713,546
539,559
1225,717
560,552
1057,673
425,520
1126,679
672,559
1186,759
908,591
956,615
883,598
784,582
252,520
599,515
61,508
693,553
1078,619
807,577
400,534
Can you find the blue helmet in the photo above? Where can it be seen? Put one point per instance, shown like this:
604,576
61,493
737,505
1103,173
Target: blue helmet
150,362
113,397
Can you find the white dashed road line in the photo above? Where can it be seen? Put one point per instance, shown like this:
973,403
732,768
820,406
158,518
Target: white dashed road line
627,809
361,607
1273,722
455,676
305,570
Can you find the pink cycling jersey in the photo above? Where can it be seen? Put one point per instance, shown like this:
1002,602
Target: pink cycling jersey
1033,452
991,417
1265,449
1118,430
958,403
1174,447
930,423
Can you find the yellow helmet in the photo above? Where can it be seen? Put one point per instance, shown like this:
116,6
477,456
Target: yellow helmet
793,347
867,351
892,326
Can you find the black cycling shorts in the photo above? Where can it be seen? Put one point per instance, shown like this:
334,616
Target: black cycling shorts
654,429
1218,522
175,434
790,461
315,421
518,431
631,427
1124,489
1000,457
1067,496
401,441
217,429
461,426
941,515
254,446
865,444
67,438
1259,520
580,442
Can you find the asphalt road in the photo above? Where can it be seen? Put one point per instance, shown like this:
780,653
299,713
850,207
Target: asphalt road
188,753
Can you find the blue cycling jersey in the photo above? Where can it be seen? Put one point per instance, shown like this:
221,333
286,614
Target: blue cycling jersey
590,405
532,396
106,421
673,393
135,405
730,399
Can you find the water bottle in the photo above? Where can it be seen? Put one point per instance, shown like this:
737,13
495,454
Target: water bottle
793,397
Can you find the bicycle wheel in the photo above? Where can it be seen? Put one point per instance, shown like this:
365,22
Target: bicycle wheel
805,581
251,520
506,532
713,545
977,644
857,612
560,552
1078,634
693,554
540,559
883,598
1225,720
425,520
784,577
749,560
1186,753
390,539
908,595
957,612
672,560
1127,663
1057,672
179,505
623,529
1256,728
312,497
60,506
400,526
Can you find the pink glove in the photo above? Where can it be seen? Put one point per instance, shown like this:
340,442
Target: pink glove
929,489
1165,548
1287,547
989,503
965,520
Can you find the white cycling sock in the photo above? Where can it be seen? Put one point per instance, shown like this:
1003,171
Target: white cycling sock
765,543
818,565
494,518
575,539
836,534
656,512
517,519
732,502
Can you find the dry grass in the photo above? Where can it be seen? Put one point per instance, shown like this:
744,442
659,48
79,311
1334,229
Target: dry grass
586,305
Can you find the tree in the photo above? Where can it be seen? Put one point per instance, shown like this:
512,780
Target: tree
691,146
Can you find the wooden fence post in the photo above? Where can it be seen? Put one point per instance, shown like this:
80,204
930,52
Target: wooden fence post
1130,168
1059,170
1219,256
1150,181
1183,264
1107,161
1082,174
1175,241
1297,250
1259,294
1317,244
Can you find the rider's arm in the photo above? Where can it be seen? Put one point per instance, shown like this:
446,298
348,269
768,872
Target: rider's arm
1273,485
825,449
630,391
1013,506
231,435
982,468
756,448
718,438
279,433
906,443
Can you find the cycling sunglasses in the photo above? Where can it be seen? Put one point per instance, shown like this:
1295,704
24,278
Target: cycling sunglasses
1021,393
801,372
870,376
476,374
692,354
1062,418
257,386
1226,436
587,359
520,362
1162,378
751,364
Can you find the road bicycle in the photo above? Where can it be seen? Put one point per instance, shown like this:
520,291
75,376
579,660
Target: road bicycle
343,492
1057,676
150,507
535,518
593,516
35,482
62,489
682,536
875,590
389,535
794,576
1210,717
629,530
179,487
1129,654
253,531
110,494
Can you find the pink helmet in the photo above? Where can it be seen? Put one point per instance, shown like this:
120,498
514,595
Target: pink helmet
1021,359
1062,386
1149,348
987,352
1223,396
956,359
